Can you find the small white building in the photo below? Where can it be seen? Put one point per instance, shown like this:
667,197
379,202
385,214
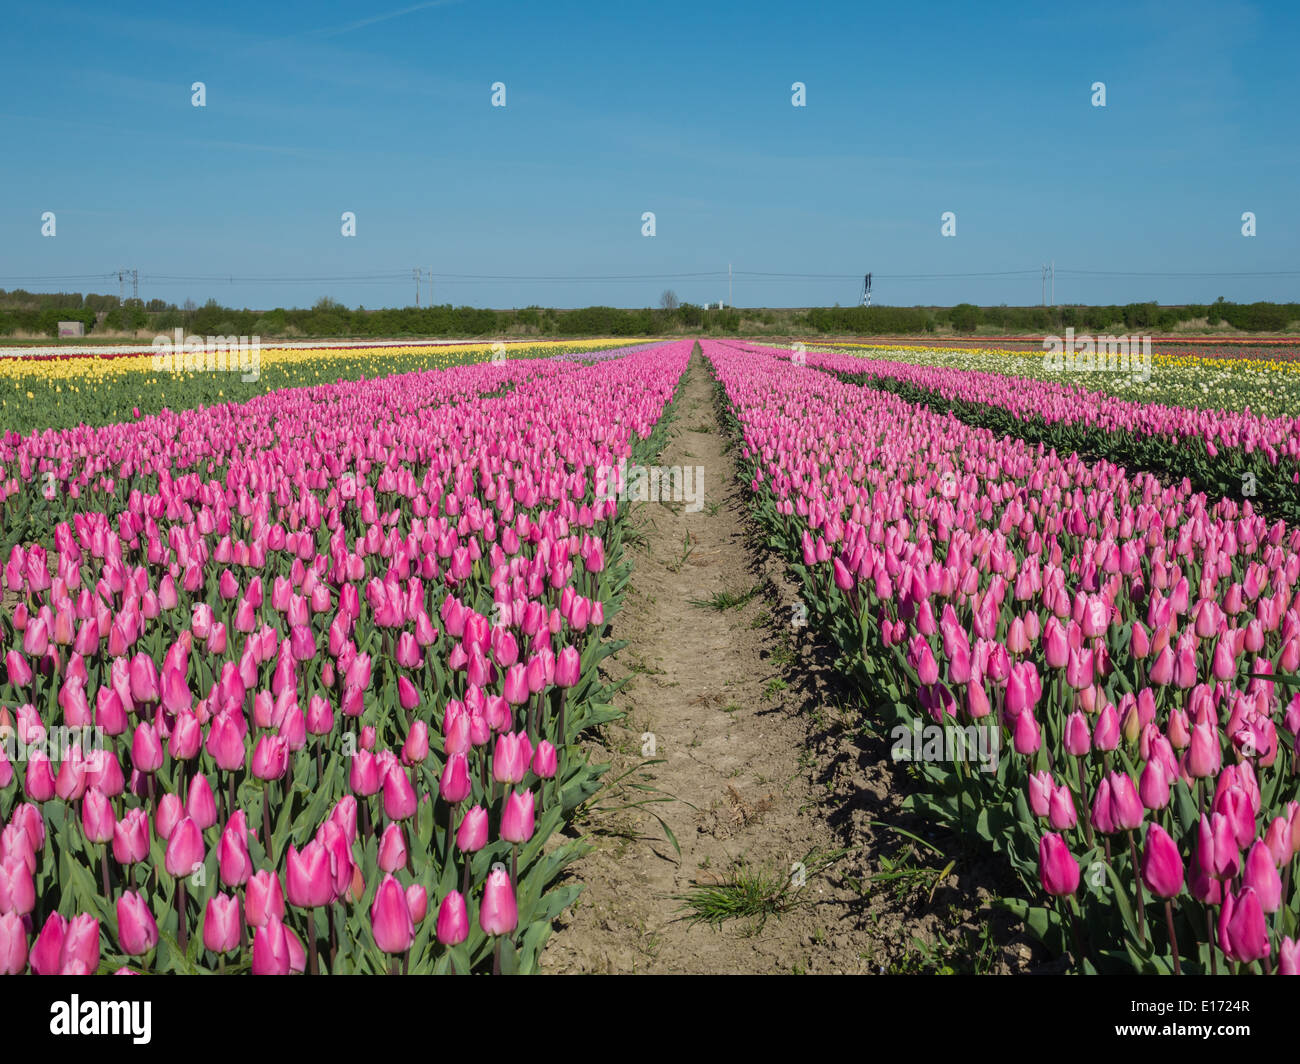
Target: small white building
72,328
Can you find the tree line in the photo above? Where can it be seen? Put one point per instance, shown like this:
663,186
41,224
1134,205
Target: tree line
40,313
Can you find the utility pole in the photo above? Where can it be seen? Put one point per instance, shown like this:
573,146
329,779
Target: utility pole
729,302
1053,269
121,285
135,286
416,274
1044,277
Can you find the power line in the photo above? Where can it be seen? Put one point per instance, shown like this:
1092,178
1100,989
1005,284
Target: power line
1215,273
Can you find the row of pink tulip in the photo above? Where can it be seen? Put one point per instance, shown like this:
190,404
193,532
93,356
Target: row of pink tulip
344,670
1126,641
1064,403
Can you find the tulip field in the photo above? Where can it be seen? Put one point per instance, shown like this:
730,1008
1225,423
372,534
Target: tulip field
297,673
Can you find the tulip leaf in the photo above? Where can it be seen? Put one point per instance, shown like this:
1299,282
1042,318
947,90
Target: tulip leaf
1044,924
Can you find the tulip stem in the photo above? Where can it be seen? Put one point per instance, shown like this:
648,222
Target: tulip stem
266,822
416,789
1173,938
1137,882
180,913
1209,933
1069,905
1083,803
311,942
103,868
560,739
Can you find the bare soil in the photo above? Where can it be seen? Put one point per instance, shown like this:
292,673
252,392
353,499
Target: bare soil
765,770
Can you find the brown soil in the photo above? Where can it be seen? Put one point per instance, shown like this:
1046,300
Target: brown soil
765,761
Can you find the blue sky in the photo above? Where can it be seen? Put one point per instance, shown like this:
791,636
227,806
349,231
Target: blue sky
318,108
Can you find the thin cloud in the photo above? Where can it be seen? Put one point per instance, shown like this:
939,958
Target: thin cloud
379,18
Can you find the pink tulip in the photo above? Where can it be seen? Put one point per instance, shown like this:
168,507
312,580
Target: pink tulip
392,849
13,944
498,915
455,784
545,760
453,921
271,949
517,819
221,924
46,957
131,837
1058,871
137,932
233,861
1243,933
568,667
263,899
146,749
1261,875
308,881
417,901
270,757
17,887
185,849
399,795
1162,867
472,834
390,918
416,747
97,819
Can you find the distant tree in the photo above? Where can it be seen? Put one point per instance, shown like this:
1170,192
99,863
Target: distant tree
668,301
965,317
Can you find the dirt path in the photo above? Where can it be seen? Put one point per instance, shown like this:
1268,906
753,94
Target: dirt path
760,772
